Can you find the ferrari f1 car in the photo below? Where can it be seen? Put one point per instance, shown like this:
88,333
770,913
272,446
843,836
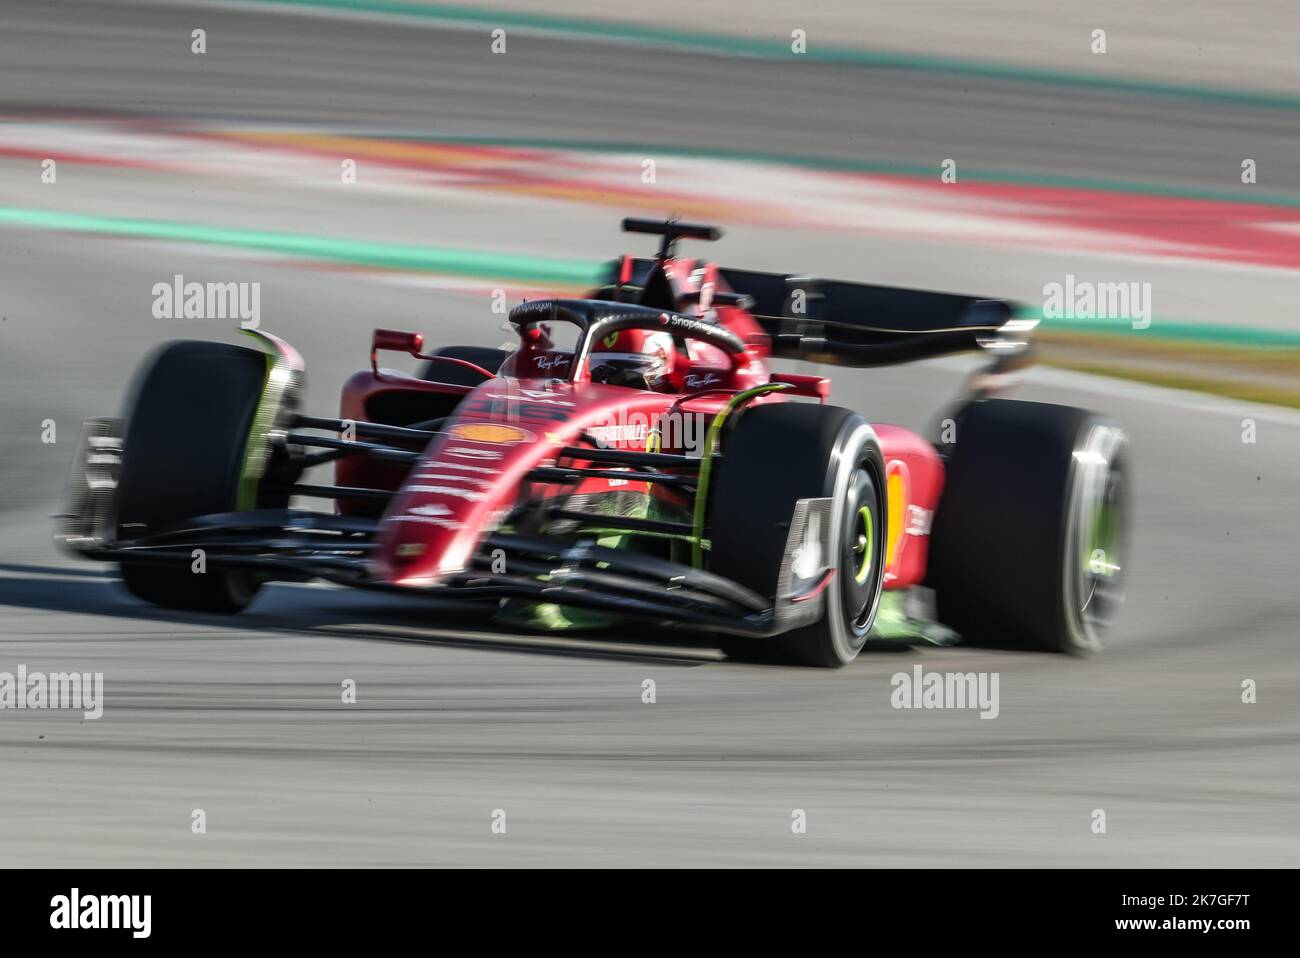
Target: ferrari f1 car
634,457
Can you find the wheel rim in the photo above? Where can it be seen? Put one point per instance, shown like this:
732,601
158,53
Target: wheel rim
1100,530
1101,565
859,553
862,545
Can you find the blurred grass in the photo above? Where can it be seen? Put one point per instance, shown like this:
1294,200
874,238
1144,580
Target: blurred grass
1253,374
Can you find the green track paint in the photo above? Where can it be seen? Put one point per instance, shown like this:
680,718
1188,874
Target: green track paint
432,259
524,267
1172,329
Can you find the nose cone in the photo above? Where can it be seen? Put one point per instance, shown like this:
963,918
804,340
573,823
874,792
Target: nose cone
471,474
452,498
412,553
435,523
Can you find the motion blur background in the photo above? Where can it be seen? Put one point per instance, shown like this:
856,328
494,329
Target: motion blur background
816,136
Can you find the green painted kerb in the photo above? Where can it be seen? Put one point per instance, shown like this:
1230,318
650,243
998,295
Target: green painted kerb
432,259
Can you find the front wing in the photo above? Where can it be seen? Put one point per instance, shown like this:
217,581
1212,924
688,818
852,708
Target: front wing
291,544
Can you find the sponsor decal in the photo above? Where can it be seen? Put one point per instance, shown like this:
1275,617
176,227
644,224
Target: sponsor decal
428,521
447,477
462,466
697,328
489,432
919,520
430,509
449,491
409,550
551,362
694,381
653,432
467,452
534,395
534,306
629,432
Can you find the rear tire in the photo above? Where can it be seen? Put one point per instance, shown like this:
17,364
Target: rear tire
775,455
182,455
1029,539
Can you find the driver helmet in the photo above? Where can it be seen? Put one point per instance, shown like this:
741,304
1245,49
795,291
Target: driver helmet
634,357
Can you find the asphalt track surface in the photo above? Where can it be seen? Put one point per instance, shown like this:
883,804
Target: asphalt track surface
407,76
242,717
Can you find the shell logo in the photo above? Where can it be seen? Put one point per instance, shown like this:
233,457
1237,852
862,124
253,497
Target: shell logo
488,432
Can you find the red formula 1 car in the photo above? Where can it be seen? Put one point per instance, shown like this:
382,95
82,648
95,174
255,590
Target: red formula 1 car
636,456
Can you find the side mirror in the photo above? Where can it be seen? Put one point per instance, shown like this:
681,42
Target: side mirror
395,340
399,341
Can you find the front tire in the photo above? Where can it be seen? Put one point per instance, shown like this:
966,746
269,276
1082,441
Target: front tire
187,433
775,455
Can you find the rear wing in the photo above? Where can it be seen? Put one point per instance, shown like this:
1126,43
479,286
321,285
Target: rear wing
852,324
849,324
